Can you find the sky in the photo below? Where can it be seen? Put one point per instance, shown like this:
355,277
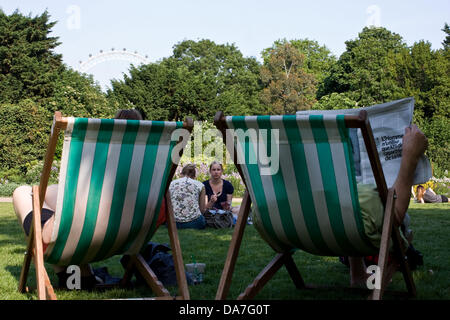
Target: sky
151,28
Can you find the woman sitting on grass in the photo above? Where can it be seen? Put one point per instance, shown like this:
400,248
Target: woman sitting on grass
188,200
429,196
219,191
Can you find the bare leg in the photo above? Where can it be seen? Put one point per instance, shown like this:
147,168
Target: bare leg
23,205
358,275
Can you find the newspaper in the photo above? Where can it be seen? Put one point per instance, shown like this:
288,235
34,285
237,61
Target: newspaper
388,122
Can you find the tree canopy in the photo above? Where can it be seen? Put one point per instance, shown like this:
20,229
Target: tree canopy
197,80
201,77
28,65
287,86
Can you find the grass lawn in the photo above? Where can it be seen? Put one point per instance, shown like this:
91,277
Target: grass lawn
430,222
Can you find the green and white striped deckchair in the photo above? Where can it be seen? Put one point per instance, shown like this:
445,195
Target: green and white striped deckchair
306,197
113,177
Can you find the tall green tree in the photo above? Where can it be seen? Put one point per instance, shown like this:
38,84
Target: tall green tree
365,70
446,42
425,74
33,84
318,59
78,95
28,65
197,80
287,86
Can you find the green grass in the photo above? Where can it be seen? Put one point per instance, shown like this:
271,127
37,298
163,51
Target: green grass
430,222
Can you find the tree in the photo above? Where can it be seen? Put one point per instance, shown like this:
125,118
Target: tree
318,58
77,95
335,101
378,67
287,87
33,84
28,65
446,42
197,80
365,69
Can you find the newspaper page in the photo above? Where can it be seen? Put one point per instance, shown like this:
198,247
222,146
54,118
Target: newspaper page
388,122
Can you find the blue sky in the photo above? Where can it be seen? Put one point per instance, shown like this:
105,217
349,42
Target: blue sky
152,27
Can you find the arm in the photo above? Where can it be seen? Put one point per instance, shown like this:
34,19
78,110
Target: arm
210,203
229,199
414,145
202,200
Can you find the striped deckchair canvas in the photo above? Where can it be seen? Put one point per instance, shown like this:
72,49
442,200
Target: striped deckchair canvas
306,197
113,177
310,203
112,180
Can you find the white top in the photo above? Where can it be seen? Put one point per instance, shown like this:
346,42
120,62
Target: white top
185,193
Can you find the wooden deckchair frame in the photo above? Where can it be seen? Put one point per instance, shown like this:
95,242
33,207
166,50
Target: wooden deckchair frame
137,262
390,227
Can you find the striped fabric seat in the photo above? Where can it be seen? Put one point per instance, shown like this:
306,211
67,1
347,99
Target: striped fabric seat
300,178
310,202
112,180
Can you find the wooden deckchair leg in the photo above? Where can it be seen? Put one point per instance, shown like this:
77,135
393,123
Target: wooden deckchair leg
384,245
49,288
26,262
264,276
38,249
183,289
390,231
404,263
293,272
149,276
233,250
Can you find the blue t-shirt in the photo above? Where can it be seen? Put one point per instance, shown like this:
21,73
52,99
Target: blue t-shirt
227,188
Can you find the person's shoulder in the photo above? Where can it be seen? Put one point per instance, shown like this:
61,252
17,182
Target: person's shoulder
226,182
206,182
198,183
228,186
175,182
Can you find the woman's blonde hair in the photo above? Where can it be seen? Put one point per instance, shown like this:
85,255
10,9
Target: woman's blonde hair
215,162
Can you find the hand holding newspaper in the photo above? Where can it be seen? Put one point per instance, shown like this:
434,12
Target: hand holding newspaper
388,122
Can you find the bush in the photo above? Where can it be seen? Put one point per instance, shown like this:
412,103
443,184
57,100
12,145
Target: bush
7,188
438,151
24,131
34,171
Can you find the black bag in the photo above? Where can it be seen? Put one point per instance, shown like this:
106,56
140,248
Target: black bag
160,261
219,220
